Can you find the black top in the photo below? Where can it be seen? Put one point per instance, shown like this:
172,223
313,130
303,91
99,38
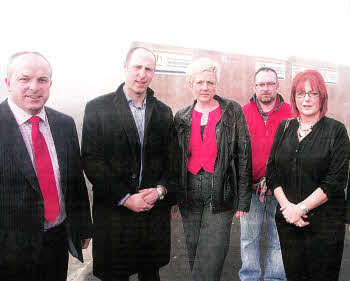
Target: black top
202,130
318,160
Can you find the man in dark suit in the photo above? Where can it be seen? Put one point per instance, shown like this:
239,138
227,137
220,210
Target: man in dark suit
128,150
44,206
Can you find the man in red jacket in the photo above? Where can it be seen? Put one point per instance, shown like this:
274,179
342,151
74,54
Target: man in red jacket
263,114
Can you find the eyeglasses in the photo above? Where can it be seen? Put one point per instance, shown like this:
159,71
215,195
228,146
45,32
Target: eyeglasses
268,84
312,95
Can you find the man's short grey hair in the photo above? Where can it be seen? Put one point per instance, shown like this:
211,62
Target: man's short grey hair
19,54
200,65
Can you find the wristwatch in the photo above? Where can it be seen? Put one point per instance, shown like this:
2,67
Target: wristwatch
160,193
303,208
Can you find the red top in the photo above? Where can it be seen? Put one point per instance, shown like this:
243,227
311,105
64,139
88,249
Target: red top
262,135
202,153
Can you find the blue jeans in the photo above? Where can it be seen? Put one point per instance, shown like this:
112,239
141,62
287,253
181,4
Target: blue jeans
207,234
251,227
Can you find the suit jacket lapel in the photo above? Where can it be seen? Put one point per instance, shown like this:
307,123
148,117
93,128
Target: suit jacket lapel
14,142
127,121
58,135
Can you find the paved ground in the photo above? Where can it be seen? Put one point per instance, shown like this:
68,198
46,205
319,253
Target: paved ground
178,270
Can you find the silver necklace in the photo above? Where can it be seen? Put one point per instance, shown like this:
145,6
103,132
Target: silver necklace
304,130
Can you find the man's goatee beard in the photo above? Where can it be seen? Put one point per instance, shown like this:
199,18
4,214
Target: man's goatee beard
269,101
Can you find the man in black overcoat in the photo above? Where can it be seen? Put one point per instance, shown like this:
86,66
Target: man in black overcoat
44,205
129,151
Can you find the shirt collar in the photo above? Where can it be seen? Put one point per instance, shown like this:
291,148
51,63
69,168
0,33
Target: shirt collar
129,99
22,116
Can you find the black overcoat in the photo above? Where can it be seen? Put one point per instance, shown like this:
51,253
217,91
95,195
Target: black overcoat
124,240
21,201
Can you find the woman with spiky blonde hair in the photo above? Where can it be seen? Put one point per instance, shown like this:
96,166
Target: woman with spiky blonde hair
216,170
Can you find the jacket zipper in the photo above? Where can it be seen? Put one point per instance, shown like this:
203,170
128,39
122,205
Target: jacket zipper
211,195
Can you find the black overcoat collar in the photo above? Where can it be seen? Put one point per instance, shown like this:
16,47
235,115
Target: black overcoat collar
128,122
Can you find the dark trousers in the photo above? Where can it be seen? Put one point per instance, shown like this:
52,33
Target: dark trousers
44,259
313,252
53,261
207,234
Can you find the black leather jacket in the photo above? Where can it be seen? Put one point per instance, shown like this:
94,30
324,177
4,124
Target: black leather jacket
232,177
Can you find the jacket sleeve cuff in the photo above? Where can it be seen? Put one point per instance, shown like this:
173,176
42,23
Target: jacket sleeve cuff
273,181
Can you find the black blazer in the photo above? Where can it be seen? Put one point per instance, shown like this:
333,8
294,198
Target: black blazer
21,202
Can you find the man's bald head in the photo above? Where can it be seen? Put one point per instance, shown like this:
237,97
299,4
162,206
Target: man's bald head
16,56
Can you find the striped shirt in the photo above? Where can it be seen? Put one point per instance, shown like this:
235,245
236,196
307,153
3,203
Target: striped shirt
25,127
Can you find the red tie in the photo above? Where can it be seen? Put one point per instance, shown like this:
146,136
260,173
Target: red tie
44,171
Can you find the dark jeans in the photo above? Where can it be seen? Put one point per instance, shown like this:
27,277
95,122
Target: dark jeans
313,252
207,234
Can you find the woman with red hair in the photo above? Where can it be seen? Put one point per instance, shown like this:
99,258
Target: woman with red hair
307,169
